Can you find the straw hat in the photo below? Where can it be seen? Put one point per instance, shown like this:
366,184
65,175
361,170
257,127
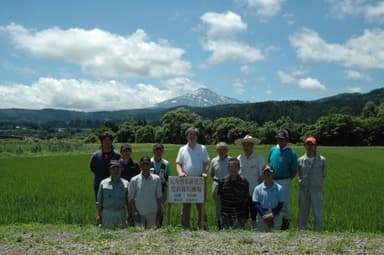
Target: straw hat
247,139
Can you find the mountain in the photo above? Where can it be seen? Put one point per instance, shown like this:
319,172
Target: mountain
199,98
297,110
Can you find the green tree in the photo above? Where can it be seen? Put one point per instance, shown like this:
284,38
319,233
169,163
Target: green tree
126,132
223,126
175,123
111,125
158,134
374,131
370,109
144,134
380,111
340,129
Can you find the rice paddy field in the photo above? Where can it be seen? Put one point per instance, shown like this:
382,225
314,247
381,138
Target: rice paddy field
51,183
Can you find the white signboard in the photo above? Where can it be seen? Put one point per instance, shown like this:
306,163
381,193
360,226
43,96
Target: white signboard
186,189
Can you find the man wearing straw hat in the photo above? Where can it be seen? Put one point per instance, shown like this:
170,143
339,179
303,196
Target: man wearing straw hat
251,169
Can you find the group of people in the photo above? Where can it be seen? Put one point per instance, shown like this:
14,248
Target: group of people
124,187
246,188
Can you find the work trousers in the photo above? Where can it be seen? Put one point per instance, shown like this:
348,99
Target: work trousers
216,199
148,220
311,198
113,218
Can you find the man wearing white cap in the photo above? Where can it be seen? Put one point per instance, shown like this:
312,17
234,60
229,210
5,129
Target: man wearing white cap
312,168
251,169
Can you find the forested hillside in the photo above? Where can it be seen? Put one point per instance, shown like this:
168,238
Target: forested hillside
297,110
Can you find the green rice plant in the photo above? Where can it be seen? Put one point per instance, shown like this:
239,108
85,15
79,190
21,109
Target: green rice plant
57,187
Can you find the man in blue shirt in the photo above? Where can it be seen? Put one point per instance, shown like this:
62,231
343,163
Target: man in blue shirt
283,160
112,199
268,199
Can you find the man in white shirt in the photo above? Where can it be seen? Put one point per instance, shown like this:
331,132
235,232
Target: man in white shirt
145,194
251,169
192,160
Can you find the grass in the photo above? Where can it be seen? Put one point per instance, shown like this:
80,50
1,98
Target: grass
56,187
72,239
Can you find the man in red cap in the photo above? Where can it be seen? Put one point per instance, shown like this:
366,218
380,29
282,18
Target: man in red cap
312,168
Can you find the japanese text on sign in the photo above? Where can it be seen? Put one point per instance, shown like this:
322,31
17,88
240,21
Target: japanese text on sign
187,189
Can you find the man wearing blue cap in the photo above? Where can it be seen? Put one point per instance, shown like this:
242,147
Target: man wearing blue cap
112,199
268,201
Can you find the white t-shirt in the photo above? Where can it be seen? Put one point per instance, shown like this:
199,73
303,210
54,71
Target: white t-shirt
192,160
251,169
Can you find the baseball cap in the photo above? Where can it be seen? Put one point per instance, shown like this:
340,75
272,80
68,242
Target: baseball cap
268,169
282,134
310,139
145,160
114,163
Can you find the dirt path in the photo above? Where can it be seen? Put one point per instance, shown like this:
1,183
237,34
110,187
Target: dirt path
90,240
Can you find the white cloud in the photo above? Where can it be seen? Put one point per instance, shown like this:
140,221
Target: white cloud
375,14
245,69
223,24
355,75
366,51
182,83
102,53
286,78
221,41
84,95
372,13
264,8
304,83
239,87
310,83
354,89
223,50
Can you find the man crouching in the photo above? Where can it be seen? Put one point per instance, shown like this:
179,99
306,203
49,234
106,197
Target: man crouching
269,202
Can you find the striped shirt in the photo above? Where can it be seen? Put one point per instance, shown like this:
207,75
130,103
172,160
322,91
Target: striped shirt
234,196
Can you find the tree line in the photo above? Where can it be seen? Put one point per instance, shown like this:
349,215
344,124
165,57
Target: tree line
334,128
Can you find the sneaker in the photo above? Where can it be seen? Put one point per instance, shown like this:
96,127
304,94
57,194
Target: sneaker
285,224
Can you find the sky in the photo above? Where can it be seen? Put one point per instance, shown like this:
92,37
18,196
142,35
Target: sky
98,55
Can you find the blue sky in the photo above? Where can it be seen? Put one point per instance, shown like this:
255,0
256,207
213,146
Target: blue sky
108,55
